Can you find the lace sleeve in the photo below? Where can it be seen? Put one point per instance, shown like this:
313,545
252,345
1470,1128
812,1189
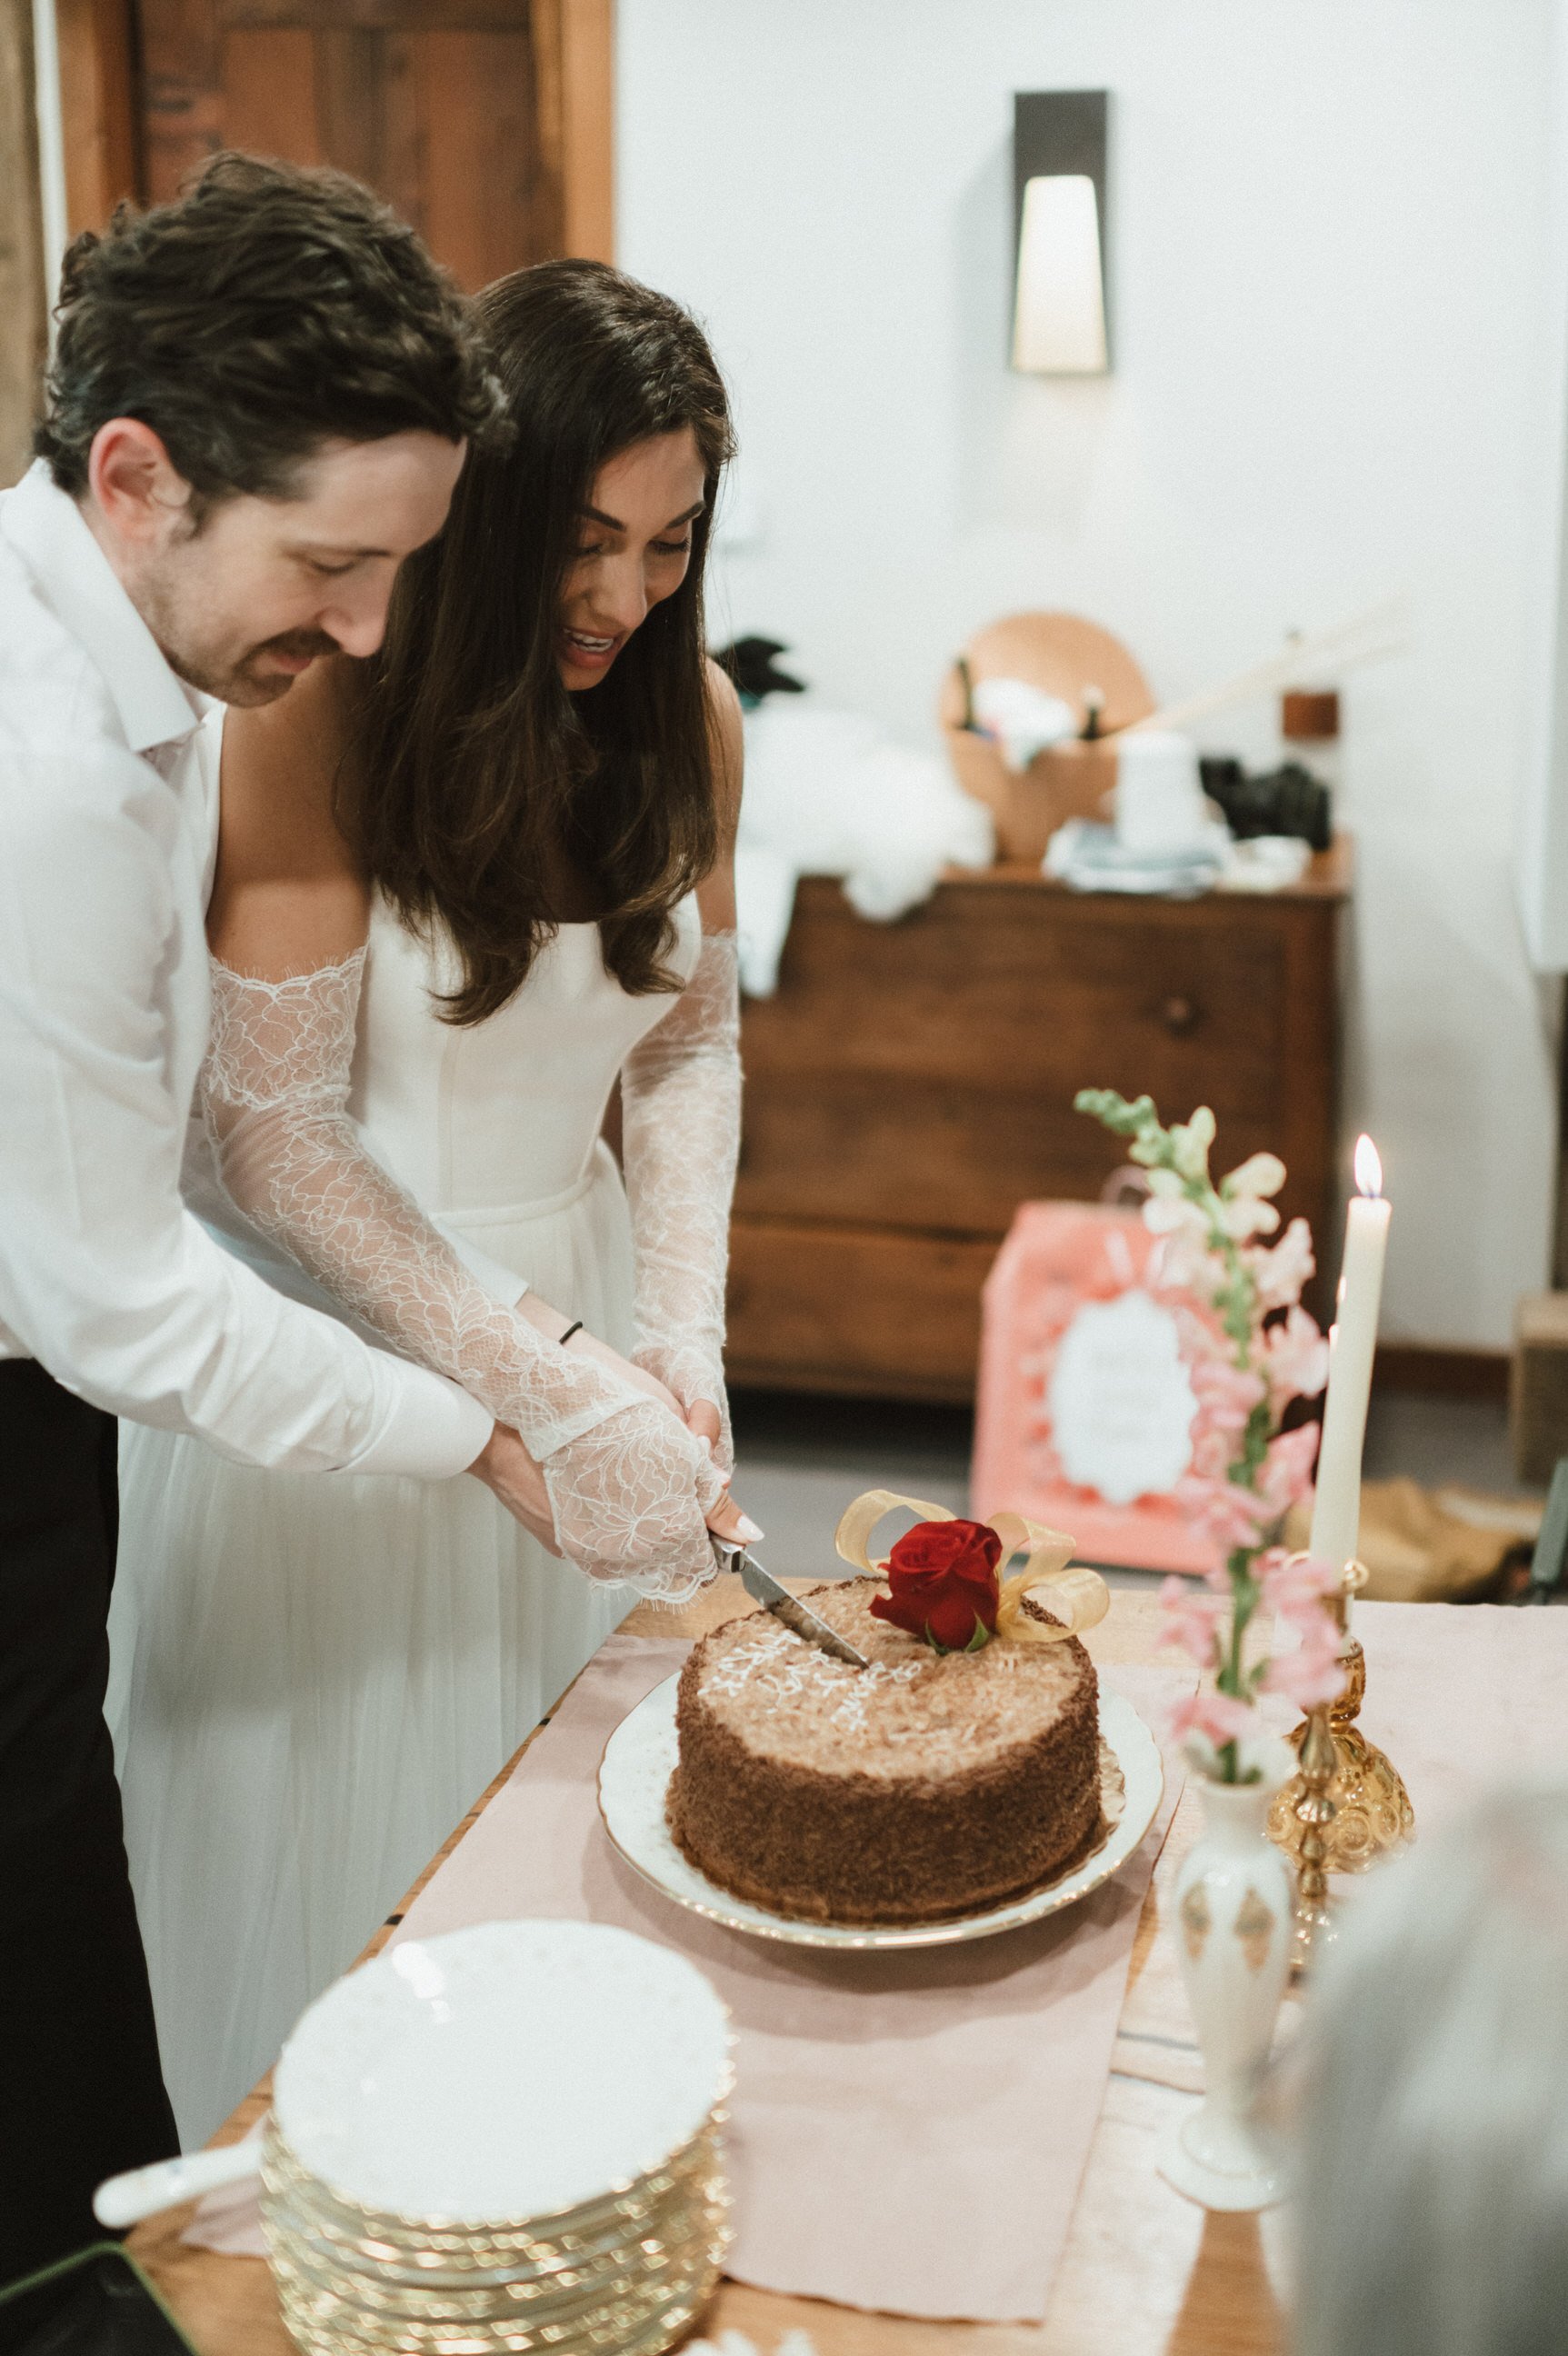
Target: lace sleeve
681,1097
628,1486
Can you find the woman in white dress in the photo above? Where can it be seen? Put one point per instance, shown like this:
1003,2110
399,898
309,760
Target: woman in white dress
458,892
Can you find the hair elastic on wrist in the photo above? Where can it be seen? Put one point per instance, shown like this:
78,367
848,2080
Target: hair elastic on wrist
570,1330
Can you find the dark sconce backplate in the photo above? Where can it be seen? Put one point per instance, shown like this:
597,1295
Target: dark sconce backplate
1059,130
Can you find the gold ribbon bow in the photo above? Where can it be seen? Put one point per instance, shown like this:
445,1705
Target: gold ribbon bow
1077,1597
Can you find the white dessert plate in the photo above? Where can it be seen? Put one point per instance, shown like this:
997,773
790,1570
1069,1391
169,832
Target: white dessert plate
634,1777
503,2073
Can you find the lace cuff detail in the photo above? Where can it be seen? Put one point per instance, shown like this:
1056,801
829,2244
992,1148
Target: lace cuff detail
274,1097
680,1091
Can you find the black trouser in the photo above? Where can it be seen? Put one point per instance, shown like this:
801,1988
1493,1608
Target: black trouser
82,2093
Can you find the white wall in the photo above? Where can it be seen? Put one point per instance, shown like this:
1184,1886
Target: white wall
1541,841
1330,234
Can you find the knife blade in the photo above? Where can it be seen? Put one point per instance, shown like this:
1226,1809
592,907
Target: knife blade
777,1598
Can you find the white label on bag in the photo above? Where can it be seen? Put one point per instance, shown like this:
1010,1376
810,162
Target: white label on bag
1120,1401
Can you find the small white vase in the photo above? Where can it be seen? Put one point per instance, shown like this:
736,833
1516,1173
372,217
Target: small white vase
1235,1912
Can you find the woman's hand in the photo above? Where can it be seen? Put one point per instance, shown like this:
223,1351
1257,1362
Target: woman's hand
589,1346
554,1323
703,1417
635,1499
510,1474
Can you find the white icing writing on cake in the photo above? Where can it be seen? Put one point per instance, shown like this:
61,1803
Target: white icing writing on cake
773,1670
776,1665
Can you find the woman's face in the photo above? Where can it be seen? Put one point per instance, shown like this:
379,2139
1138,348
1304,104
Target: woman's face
634,543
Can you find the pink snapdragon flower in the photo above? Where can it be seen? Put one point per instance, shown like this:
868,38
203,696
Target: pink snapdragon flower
1194,1617
1286,1472
1245,1210
1173,1214
1228,1514
1279,1273
1297,1586
1226,1393
1182,1260
1295,1358
1312,1674
1219,1716
1211,1453
1260,1174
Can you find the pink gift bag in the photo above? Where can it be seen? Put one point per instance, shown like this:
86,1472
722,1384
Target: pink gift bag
1085,1406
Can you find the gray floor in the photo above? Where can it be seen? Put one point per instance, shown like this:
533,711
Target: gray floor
800,1461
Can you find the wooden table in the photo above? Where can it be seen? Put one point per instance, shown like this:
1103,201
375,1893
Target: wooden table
1145,2272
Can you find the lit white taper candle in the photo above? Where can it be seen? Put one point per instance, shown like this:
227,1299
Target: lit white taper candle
1336,1510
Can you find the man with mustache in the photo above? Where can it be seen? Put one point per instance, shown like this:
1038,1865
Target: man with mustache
260,402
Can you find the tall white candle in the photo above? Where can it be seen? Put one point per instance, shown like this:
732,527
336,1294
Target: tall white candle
1336,1510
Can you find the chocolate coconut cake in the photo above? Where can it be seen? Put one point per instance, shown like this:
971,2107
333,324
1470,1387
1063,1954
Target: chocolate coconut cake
926,1785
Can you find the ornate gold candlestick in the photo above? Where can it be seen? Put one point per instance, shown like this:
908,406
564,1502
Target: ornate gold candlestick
1313,1819
1371,1808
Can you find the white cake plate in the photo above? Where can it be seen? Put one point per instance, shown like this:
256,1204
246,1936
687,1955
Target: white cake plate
634,1777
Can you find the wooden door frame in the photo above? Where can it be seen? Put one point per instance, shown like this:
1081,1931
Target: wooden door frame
98,109
22,289
587,127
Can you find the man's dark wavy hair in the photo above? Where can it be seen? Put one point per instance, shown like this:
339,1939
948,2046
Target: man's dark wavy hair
266,311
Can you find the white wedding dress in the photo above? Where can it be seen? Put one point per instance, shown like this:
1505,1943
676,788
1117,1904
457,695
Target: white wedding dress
315,1677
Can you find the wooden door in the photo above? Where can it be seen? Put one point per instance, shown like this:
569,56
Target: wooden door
485,122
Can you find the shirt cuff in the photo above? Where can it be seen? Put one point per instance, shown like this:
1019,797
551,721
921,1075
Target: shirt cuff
431,1429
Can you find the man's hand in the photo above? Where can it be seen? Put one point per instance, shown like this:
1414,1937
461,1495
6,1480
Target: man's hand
508,1470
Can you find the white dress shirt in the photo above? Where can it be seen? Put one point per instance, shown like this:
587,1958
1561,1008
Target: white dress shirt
108,827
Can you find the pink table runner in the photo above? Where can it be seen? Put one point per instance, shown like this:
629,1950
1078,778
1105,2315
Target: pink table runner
907,2130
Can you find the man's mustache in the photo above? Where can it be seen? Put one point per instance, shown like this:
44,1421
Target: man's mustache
298,644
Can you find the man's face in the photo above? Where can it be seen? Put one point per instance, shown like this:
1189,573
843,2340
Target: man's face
244,604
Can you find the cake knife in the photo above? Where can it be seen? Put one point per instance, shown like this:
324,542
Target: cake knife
784,1606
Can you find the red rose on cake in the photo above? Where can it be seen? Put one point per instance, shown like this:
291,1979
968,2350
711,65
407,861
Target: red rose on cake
944,1585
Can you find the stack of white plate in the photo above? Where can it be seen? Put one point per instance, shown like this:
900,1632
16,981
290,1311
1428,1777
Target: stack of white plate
509,2137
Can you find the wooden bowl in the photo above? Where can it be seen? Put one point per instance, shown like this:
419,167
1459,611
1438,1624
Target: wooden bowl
1063,655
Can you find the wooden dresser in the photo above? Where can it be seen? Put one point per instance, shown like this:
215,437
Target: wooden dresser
911,1084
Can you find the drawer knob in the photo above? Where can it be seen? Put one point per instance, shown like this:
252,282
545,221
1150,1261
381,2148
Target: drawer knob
1180,1015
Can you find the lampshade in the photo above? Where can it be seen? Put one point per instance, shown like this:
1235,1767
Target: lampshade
1059,317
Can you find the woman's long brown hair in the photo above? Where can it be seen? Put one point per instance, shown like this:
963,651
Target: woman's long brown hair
474,771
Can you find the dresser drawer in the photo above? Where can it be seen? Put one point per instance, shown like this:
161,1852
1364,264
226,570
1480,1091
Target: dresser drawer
923,1074
855,1311
1016,990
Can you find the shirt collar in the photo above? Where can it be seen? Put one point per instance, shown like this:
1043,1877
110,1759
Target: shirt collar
49,529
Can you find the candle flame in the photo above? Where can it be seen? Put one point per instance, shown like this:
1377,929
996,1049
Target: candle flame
1369,1168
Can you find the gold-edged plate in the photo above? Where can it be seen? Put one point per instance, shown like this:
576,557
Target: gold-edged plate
634,1777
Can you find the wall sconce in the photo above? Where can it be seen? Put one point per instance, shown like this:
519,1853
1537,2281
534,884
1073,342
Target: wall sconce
1059,220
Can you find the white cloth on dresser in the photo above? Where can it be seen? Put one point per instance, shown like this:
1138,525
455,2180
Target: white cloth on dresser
832,792
312,1681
